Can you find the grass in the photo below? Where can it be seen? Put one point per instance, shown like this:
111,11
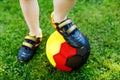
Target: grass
98,19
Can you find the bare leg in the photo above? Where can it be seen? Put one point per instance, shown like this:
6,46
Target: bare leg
61,9
29,46
30,11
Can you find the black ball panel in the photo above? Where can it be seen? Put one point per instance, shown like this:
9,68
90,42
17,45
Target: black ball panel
79,59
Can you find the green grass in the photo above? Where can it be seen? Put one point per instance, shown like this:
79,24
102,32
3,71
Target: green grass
98,19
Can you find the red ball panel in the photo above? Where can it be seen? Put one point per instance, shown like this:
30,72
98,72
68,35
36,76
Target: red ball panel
60,61
64,68
65,52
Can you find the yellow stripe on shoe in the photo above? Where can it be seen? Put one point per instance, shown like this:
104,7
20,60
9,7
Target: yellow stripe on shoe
52,20
27,44
64,23
71,29
30,38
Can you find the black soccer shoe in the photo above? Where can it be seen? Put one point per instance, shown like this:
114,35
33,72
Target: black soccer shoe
70,32
28,48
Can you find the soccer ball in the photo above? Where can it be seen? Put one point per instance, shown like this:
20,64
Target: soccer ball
63,56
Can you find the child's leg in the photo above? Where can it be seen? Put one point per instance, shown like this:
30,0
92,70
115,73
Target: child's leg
64,25
61,8
30,11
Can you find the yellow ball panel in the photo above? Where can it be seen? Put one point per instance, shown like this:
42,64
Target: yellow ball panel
53,46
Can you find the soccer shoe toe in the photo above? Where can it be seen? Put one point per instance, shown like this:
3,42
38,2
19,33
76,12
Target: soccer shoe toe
76,39
24,55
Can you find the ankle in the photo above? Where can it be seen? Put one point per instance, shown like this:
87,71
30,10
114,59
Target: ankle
58,18
37,34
